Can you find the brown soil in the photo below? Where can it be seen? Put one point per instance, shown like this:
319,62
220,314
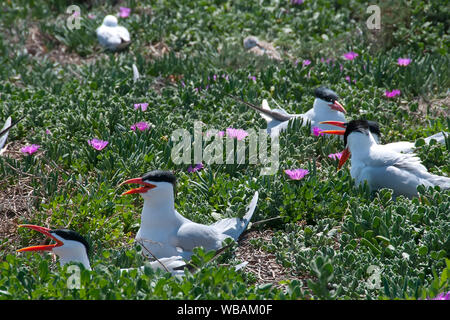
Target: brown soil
263,264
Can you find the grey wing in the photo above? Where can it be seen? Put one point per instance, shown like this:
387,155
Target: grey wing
191,235
400,172
400,181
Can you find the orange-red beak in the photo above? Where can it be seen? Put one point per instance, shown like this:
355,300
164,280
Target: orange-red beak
337,106
146,186
344,157
334,123
346,153
46,232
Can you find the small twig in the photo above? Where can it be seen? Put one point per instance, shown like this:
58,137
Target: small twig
142,244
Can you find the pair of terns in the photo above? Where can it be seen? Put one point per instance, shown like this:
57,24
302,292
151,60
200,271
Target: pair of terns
164,233
382,166
326,107
391,166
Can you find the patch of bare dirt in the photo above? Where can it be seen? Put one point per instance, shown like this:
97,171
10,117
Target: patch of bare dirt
35,45
157,50
263,264
16,201
436,107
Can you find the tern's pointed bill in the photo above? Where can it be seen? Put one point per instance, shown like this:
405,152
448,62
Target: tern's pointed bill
146,186
44,231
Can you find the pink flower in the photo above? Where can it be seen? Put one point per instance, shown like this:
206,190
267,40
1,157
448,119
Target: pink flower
98,144
236,133
442,296
124,12
141,126
296,174
252,78
348,79
197,167
316,132
221,133
30,149
335,156
293,2
403,61
47,131
350,55
392,94
143,106
306,63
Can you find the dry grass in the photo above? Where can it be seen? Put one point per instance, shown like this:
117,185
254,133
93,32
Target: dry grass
263,264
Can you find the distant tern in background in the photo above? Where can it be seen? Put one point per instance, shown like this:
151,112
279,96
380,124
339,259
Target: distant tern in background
325,107
164,232
400,146
5,131
260,48
136,75
382,167
111,35
71,247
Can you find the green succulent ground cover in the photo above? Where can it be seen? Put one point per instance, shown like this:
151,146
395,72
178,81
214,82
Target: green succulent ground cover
329,233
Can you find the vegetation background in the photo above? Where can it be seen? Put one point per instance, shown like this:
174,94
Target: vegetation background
331,240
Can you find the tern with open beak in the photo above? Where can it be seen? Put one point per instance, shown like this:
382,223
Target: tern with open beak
164,232
382,167
400,146
71,247
325,107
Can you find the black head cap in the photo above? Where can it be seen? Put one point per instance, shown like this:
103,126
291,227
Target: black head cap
355,126
72,235
374,127
160,176
326,94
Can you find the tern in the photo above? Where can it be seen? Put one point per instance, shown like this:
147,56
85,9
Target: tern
111,35
258,47
71,247
5,131
325,107
400,146
136,74
164,232
382,167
